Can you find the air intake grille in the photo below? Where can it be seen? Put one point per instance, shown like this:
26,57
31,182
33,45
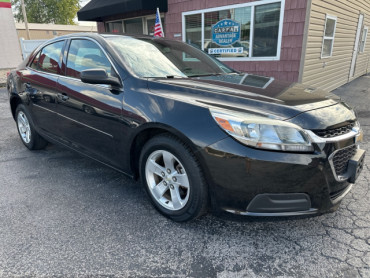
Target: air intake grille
341,158
329,133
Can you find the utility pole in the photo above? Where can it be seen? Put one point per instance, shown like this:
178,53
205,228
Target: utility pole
25,20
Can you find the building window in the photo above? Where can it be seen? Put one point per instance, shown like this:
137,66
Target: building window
139,25
134,26
329,34
257,30
363,39
114,27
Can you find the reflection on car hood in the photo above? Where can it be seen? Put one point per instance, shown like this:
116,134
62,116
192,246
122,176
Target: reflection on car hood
245,92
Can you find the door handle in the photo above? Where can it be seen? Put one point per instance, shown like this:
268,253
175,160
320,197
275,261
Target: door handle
63,96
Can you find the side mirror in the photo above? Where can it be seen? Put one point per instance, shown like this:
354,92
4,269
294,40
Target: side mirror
98,76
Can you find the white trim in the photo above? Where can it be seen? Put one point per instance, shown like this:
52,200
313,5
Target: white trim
364,45
356,47
252,5
183,27
251,33
202,30
328,38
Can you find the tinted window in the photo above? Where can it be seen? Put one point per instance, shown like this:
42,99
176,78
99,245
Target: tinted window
49,58
35,62
266,30
85,54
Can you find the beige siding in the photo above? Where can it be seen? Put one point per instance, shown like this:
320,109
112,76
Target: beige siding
49,31
330,73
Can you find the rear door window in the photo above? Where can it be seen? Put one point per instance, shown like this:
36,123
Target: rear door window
50,57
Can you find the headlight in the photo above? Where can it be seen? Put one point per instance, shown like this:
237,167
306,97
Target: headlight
262,132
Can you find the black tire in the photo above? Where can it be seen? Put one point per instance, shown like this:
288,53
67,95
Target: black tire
197,194
36,142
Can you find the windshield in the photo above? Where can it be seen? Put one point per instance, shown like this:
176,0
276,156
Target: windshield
165,58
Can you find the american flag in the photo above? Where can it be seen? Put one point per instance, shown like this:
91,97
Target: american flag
158,29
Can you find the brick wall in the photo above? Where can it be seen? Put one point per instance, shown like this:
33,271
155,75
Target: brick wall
291,46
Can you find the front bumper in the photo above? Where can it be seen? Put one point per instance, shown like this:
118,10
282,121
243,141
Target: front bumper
255,182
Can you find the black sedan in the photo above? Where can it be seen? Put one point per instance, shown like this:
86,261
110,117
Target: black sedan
199,134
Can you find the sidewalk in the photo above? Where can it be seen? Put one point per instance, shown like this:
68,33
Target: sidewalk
3,77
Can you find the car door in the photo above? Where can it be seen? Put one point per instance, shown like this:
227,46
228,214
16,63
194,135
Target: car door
40,84
90,114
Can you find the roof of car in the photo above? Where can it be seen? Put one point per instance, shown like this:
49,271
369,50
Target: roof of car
103,35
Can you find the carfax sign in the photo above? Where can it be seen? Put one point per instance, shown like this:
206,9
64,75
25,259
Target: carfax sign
226,32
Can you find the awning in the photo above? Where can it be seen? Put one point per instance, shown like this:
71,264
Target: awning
97,10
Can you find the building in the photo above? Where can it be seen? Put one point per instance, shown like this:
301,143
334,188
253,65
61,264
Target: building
10,54
48,31
318,42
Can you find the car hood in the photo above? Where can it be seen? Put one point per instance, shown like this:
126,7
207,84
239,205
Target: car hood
245,93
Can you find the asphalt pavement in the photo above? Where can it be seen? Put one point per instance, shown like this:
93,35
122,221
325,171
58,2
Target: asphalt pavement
63,215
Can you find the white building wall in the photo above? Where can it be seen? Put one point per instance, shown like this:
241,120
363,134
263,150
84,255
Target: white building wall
10,52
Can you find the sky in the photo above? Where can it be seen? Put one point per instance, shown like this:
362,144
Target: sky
84,2
85,23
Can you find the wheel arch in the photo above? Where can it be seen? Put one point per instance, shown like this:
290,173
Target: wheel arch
151,131
14,102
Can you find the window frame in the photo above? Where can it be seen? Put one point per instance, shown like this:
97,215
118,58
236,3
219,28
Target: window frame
242,5
363,42
335,18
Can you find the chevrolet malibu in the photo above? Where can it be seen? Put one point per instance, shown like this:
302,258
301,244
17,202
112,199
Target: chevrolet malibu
198,134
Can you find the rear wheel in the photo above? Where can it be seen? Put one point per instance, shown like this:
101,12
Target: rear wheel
30,138
173,179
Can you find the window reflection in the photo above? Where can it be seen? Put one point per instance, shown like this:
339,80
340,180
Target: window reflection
83,55
48,60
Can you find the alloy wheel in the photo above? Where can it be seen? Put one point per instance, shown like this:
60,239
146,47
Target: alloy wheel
167,180
24,127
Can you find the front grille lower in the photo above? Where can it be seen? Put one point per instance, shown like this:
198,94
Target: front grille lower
341,158
329,133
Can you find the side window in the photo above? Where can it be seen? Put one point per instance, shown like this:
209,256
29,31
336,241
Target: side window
35,62
85,54
49,57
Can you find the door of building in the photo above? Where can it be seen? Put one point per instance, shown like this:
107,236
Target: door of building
355,49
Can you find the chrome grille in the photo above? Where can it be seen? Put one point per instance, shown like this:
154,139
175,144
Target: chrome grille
329,133
341,158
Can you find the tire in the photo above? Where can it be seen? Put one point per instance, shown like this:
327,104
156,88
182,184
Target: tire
173,179
30,138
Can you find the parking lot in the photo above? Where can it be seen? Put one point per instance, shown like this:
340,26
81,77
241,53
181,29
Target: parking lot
65,215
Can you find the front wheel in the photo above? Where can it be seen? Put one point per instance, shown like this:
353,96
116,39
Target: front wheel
173,179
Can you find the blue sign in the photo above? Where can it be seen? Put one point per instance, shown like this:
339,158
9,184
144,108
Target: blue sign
226,32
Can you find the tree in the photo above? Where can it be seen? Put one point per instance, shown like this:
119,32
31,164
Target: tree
47,11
